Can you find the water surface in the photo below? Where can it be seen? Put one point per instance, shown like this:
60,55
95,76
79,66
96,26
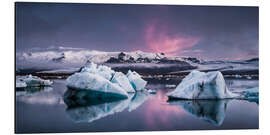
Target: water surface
45,110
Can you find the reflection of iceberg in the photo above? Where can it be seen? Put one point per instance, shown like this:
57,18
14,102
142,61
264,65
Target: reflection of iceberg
138,99
36,95
212,111
84,106
96,111
200,85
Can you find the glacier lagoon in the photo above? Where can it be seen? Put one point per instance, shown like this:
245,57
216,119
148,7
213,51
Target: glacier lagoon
47,109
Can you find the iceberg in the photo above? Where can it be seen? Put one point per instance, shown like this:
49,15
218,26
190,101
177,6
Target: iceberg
136,81
97,83
208,110
31,81
200,85
105,81
122,80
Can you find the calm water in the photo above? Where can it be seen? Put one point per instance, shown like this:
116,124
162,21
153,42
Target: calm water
44,110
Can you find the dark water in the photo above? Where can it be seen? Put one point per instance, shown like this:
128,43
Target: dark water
44,110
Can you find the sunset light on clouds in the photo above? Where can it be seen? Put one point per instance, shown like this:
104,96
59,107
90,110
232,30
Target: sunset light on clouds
159,40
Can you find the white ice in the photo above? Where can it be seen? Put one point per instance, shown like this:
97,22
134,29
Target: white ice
251,93
200,85
104,79
95,82
101,70
136,81
20,84
122,80
31,81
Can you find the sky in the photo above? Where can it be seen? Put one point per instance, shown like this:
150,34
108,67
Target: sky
208,32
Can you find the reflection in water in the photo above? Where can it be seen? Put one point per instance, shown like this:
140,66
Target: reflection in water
38,95
84,107
212,111
137,99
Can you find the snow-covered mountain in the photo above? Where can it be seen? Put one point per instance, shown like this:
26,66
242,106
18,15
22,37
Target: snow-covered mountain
69,60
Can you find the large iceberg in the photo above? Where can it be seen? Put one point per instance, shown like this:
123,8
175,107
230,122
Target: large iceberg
200,85
103,80
208,110
31,81
94,82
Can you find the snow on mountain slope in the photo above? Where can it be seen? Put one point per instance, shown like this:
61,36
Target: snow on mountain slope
69,60
65,60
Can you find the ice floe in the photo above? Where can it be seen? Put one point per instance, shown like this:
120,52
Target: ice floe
31,81
200,85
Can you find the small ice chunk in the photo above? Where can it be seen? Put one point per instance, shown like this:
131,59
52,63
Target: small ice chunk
32,81
95,82
200,85
152,91
252,92
237,76
136,81
248,77
122,80
170,85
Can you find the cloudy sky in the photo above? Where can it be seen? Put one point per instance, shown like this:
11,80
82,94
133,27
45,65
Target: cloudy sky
210,32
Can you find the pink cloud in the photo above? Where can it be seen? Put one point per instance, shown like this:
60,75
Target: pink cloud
159,40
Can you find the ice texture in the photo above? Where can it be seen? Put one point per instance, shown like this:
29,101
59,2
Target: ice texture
103,79
136,81
101,70
20,84
251,94
122,80
95,82
200,85
31,81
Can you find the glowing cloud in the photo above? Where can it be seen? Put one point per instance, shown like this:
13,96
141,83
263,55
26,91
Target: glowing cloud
159,40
